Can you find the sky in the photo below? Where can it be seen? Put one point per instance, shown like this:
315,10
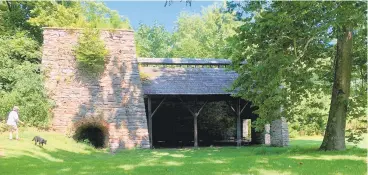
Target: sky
147,12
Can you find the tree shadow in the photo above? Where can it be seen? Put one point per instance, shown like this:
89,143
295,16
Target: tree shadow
116,98
183,161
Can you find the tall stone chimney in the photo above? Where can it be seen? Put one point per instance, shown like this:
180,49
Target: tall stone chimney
116,96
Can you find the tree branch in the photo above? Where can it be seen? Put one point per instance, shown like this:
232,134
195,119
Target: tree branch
305,48
9,6
306,45
296,54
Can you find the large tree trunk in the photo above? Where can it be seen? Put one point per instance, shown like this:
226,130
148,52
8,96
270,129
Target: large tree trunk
334,138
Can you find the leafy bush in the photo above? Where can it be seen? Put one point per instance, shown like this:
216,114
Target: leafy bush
90,51
21,83
216,121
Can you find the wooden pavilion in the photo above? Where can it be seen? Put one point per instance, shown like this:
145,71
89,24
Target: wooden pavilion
179,80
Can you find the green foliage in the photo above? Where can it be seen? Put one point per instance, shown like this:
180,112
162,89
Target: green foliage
288,48
204,36
76,14
196,36
153,41
51,14
14,17
21,84
90,51
216,121
98,15
309,117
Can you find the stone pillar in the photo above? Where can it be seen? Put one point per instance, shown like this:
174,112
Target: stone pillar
267,136
279,133
262,137
245,128
116,95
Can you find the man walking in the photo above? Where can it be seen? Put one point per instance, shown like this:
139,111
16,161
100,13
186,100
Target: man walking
13,119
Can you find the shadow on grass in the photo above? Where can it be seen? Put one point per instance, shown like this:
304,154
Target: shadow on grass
228,160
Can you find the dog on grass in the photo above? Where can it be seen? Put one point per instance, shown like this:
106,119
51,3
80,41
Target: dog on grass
39,140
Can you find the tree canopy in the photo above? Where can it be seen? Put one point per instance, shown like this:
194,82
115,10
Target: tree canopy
195,36
290,51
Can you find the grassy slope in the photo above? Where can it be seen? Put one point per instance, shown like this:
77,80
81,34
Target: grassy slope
64,156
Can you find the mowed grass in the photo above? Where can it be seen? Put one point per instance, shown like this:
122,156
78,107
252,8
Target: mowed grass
63,155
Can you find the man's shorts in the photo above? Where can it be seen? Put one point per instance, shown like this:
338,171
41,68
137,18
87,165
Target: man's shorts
12,127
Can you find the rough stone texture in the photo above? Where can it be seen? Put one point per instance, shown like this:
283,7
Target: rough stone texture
267,136
245,128
279,133
116,95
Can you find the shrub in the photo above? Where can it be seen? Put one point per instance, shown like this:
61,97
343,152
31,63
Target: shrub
90,51
21,83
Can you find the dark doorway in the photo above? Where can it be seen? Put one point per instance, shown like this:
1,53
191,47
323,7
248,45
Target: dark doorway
92,135
172,127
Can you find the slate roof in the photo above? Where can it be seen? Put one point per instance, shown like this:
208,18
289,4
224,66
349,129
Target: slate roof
187,81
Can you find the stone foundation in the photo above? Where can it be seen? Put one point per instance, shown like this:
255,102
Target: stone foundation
116,95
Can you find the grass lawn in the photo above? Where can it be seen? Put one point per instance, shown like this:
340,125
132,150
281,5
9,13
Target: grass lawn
62,155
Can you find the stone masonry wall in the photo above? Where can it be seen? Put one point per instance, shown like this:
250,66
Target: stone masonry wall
116,95
279,133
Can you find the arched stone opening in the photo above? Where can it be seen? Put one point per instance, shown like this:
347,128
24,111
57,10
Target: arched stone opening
94,132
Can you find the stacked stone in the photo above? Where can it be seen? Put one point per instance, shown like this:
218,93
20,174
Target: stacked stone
116,95
279,133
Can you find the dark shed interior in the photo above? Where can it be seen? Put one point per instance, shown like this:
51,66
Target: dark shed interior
189,103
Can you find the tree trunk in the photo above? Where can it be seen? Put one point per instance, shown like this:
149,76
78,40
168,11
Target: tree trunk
334,138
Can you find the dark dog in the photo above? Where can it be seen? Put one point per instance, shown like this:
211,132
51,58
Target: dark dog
40,140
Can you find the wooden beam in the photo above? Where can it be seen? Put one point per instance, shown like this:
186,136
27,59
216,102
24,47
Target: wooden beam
232,108
238,125
150,121
243,107
199,111
153,113
182,102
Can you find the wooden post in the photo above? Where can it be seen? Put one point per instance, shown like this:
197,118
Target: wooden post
238,124
150,117
195,131
195,116
150,122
